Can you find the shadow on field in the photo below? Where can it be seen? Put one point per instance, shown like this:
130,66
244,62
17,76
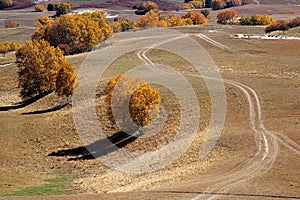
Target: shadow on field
47,110
25,103
100,147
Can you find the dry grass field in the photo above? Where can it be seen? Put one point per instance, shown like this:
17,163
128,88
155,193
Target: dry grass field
41,152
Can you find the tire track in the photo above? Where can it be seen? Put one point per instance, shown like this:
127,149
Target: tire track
266,141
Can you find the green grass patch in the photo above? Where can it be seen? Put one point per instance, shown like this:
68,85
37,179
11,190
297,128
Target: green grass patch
56,186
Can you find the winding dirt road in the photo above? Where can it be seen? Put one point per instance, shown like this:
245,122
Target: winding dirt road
267,142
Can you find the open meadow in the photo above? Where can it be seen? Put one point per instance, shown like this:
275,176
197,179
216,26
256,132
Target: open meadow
255,157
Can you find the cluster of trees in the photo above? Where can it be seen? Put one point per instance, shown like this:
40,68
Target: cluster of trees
145,7
214,4
257,20
6,3
283,25
39,8
192,4
61,8
6,47
142,98
74,33
227,17
43,68
156,19
221,4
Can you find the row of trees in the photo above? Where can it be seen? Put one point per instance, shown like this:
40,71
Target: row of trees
6,47
145,7
73,33
61,8
156,19
283,25
214,4
257,20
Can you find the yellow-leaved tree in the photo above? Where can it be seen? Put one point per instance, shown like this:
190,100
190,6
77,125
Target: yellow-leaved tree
39,66
142,100
65,81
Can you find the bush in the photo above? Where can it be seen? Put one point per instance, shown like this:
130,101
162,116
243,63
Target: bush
10,23
39,8
6,3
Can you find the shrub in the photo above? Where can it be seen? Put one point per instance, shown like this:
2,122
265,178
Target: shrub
10,23
39,8
6,3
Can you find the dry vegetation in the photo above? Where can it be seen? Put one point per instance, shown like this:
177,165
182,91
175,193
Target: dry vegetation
40,142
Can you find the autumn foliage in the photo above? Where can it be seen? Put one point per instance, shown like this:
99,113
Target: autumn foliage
220,4
61,8
156,19
39,8
145,7
6,3
257,20
283,25
142,100
196,4
75,33
122,24
43,68
227,17
6,47
10,23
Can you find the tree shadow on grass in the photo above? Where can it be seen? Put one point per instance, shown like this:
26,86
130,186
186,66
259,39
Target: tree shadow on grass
47,110
26,102
100,147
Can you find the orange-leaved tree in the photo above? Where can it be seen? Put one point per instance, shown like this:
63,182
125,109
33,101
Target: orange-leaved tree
65,80
142,100
196,17
38,67
227,17
76,33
